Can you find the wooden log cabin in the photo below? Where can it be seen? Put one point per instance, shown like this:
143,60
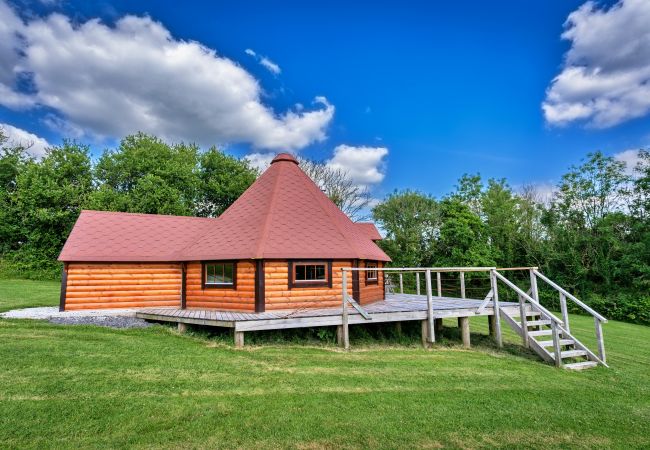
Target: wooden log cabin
281,245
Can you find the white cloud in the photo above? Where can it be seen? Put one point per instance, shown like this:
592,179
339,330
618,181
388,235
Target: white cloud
630,158
365,165
270,65
606,75
250,52
135,76
260,161
17,136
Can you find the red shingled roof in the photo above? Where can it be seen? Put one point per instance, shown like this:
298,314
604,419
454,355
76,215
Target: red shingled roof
370,230
282,215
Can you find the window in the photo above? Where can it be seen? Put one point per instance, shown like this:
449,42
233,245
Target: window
310,273
219,274
371,275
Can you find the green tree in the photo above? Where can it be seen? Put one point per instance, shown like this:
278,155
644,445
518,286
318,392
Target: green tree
410,220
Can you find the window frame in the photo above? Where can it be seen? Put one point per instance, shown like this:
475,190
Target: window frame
204,269
375,280
327,282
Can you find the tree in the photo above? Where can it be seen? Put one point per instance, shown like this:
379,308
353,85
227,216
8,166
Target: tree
223,179
147,175
49,195
410,220
351,198
12,160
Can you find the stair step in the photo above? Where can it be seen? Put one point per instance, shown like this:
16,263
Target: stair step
571,353
535,323
540,333
581,365
562,342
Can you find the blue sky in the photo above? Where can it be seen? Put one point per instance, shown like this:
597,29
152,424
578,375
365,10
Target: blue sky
401,94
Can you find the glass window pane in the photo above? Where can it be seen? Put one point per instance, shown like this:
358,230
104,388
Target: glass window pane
228,273
301,273
220,273
320,273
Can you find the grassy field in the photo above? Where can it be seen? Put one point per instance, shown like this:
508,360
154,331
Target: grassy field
82,386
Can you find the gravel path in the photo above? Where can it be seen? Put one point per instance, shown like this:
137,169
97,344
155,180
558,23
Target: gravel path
115,318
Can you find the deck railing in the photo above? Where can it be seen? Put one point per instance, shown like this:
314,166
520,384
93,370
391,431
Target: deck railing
527,300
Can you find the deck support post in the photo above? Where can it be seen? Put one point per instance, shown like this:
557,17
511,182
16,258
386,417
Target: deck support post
497,310
462,285
182,327
491,326
599,338
557,348
339,335
398,329
401,283
426,343
431,336
464,330
239,339
417,283
345,331
439,284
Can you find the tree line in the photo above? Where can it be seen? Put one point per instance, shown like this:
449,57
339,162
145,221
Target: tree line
592,236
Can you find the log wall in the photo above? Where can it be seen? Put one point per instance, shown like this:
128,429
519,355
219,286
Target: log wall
279,296
241,299
369,293
121,285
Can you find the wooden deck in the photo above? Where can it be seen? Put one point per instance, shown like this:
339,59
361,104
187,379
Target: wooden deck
396,308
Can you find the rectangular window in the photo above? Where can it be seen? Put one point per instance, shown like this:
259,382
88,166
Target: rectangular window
308,273
219,274
371,275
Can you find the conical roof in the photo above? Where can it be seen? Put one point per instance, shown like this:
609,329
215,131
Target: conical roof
283,215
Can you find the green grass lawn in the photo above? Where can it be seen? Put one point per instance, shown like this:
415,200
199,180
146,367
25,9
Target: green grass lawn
16,294
82,386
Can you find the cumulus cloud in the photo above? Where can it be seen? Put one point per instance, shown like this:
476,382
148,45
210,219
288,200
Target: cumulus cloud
17,136
260,161
631,158
135,76
365,165
606,74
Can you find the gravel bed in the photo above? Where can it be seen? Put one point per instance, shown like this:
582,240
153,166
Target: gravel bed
115,318
103,321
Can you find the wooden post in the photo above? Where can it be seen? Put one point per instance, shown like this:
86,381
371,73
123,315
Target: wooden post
491,326
439,284
344,312
464,330
239,339
64,286
417,283
398,329
557,349
599,338
183,285
565,313
425,334
462,285
339,335
533,286
524,321
430,331
401,283
182,327
497,310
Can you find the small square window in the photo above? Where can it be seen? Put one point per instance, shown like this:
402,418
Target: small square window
303,274
219,274
371,275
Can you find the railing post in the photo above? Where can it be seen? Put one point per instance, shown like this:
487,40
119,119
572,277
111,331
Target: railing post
430,331
599,338
565,313
524,321
496,309
533,285
401,283
344,313
417,283
462,285
556,344
439,284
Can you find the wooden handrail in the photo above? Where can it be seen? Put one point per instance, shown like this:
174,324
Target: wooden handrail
567,294
419,269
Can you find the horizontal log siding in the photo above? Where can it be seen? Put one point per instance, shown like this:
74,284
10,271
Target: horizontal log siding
372,292
241,299
279,296
121,285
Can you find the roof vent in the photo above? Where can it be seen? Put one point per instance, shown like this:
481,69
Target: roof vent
284,157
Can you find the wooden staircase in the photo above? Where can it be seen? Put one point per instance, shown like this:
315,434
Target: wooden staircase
546,334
